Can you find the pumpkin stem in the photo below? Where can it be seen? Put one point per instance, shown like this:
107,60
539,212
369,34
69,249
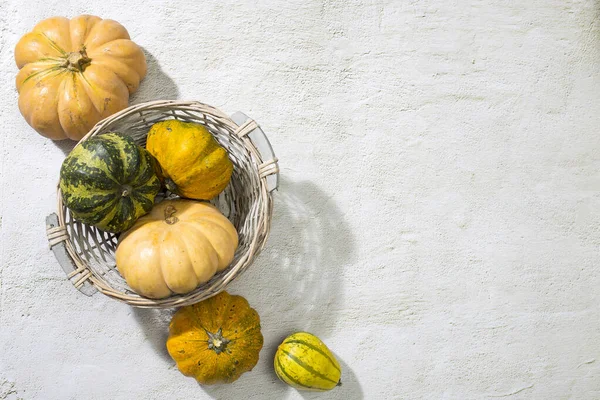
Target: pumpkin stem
217,342
170,218
77,60
125,191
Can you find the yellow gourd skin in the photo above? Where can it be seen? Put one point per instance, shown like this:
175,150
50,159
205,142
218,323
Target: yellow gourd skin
193,164
216,340
176,247
73,73
304,362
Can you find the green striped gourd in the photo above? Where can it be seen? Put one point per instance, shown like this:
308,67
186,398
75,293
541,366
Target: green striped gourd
304,362
109,181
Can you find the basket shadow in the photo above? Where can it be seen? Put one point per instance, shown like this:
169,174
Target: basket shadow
157,85
299,276
296,284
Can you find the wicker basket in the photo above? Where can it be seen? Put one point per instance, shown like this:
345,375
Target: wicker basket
87,254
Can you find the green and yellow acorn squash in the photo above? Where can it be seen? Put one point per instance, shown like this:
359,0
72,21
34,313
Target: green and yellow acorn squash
304,362
109,181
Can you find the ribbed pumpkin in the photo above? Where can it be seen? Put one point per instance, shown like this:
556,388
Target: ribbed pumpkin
75,72
109,181
216,340
175,248
193,164
304,362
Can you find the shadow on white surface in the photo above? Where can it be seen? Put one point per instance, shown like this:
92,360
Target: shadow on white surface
310,245
65,145
155,324
157,85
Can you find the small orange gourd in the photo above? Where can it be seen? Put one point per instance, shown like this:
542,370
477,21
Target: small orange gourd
216,340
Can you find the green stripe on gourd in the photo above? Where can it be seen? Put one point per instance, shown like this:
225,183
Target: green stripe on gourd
308,368
289,379
109,181
315,348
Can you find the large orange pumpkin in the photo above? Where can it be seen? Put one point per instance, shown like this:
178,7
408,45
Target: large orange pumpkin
73,73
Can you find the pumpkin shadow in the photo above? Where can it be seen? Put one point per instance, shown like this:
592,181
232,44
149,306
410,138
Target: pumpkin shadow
295,284
65,145
155,323
157,85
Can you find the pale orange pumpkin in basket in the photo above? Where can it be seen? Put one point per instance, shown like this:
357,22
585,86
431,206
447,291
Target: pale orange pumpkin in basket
179,245
73,73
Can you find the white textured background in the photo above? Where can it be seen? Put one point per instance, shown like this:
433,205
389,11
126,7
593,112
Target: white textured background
438,219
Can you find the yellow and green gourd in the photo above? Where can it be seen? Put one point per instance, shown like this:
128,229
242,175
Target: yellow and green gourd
304,362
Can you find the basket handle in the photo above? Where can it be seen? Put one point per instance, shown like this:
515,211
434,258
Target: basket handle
57,237
269,167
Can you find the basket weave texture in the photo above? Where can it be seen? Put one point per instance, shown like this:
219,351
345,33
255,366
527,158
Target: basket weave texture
247,202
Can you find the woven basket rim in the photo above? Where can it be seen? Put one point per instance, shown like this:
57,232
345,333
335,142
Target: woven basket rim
262,169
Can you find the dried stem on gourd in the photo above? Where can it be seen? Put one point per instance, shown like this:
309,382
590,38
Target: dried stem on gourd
77,60
216,341
125,190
